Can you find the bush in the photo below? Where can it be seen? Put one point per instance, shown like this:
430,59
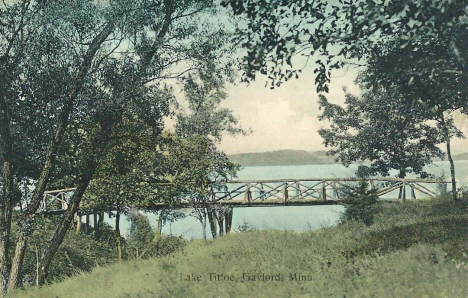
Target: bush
142,244
244,227
361,204
78,252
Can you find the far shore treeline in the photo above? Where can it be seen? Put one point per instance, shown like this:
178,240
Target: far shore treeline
289,157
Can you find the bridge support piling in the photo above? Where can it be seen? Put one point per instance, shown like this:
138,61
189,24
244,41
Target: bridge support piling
87,224
404,191
95,221
228,219
248,195
221,221
78,223
324,191
212,219
413,194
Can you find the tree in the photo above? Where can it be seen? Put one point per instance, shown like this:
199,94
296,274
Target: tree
206,118
14,18
73,65
420,42
196,169
438,91
381,127
104,83
338,33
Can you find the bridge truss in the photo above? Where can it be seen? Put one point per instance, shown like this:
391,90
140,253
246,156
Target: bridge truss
280,192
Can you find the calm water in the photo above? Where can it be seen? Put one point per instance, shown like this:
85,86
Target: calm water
296,218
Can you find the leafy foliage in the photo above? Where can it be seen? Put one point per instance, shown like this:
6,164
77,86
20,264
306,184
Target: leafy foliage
382,127
141,244
339,33
361,204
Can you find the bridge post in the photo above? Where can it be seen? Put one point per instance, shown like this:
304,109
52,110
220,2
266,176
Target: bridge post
324,191
78,223
285,193
248,195
228,218
413,194
403,195
87,223
262,193
62,201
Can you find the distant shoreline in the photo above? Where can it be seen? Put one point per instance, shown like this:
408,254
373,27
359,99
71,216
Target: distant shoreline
291,157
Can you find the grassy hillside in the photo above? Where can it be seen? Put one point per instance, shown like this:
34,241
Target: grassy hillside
414,249
281,157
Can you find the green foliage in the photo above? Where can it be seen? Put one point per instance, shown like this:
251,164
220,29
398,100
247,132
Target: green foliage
140,229
78,252
244,227
408,252
336,34
361,204
382,127
142,244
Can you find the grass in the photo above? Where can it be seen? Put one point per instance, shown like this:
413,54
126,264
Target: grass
414,249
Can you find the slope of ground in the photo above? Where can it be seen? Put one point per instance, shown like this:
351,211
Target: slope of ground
414,249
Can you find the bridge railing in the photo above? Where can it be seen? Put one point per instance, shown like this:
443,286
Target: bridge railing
283,192
319,190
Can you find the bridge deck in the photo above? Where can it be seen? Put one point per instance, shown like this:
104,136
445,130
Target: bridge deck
276,192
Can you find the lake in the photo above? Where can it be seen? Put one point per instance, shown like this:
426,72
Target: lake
295,218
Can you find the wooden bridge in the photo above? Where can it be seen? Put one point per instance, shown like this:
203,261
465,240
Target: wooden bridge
280,192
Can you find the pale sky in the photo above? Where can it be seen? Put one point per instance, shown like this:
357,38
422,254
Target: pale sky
287,117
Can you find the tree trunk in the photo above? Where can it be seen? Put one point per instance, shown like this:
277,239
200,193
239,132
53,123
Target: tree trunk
402,193
6,202
100,223
449,156
51,247
204,225
158,229
53,147
452,169
5,220
211,220
117,236
78,223
17,264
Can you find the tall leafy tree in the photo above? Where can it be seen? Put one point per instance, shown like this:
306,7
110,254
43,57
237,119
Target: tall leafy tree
108,61
338,33
439,91
195,169
421,45
381,127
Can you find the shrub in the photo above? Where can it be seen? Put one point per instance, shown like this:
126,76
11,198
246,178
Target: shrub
141,243
360,204
78,252
244,227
